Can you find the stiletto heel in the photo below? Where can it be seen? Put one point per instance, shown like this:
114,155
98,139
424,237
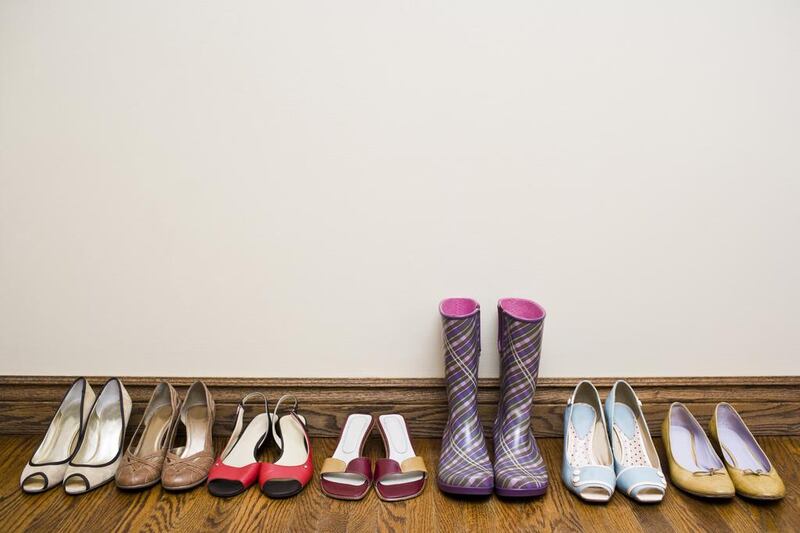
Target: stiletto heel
294,468
46,468
237,467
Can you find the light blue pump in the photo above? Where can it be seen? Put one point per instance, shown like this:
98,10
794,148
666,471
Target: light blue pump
638,469
587,466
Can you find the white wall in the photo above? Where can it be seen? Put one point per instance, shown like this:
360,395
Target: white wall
288,188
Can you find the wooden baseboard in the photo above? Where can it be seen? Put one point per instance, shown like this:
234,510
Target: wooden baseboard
769,404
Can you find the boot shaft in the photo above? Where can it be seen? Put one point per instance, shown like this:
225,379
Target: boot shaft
461,334
519,342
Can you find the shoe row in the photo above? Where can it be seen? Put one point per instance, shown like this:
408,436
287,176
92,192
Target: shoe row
465,468
83,446
238,468
348,475
172,445
610,447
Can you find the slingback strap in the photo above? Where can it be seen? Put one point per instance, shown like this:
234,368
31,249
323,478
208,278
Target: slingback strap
274,419
238,426
280,401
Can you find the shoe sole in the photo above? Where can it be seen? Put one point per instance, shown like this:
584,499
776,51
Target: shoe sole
708,496
346,498
760,498
184,487
520,493
139,487
465,491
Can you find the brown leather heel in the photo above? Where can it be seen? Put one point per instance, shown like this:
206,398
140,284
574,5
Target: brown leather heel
187,466
144,459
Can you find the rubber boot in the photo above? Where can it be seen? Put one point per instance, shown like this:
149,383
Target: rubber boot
519,467
464,464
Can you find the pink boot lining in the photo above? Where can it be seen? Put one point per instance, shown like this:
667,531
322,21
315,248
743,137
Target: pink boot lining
521,308
458,307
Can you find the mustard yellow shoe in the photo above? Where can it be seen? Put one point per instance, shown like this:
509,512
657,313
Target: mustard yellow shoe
694,466
751,471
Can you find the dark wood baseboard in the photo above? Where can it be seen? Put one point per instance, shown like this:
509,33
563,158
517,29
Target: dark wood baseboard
769,404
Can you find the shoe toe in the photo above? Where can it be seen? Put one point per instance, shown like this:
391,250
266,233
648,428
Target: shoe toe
76,484
35,483
647,494
520,480
225,488
595,493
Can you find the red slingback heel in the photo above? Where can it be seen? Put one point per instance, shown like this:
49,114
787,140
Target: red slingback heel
293,470
237,467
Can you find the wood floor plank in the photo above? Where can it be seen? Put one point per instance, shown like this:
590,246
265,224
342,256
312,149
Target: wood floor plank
108,509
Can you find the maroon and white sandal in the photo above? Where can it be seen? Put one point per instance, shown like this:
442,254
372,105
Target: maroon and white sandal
294,468
402,474
347,475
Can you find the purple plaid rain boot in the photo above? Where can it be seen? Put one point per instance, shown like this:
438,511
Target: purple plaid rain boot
519,467
464,465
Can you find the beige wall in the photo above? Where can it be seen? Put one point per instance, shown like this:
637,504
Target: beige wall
288,188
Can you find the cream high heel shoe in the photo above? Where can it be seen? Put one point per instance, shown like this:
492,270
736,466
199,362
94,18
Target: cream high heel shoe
100,450
46,468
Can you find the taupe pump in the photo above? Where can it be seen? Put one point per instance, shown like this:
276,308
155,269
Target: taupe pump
142,463
187,465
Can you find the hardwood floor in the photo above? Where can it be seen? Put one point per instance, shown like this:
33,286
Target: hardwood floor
108,509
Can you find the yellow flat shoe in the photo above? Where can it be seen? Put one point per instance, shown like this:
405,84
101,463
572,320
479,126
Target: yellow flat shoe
748,466
694,466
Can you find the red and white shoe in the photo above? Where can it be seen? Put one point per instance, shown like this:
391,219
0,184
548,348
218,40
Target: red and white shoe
237,467
293,470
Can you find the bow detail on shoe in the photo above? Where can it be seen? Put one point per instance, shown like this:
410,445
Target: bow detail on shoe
710,472
756,472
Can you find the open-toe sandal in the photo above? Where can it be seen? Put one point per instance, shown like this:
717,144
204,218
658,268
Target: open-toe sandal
347,475
402,474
